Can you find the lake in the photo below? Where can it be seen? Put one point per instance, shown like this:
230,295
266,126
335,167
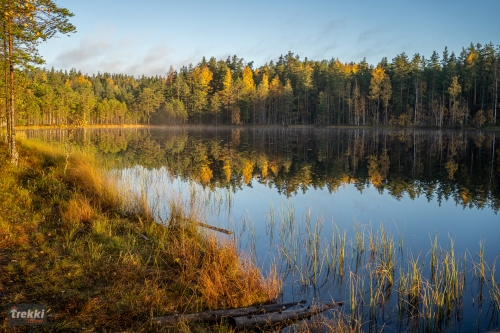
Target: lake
401,225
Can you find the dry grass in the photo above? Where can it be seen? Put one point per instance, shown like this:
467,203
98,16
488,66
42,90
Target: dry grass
78,210
331,321
100,262
227,281
83,173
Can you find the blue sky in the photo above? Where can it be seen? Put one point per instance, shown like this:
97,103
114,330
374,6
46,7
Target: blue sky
147,37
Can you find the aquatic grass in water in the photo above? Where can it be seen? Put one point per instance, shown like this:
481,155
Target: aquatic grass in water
495,288
386,284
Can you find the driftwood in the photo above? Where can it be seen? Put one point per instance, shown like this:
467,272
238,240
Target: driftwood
213,315
204,225
281,317
208,226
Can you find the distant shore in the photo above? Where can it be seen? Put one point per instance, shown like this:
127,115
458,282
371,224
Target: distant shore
384,127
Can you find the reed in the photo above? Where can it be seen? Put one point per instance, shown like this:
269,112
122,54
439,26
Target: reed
495,288
359,238
426,291
341,250
433,259
482,263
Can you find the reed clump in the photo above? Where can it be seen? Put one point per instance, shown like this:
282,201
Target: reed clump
71,239
82,172
225,280
384,283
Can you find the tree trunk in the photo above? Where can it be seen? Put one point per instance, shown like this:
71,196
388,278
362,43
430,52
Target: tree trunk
6,78
495,102
12,135
416,103
492,161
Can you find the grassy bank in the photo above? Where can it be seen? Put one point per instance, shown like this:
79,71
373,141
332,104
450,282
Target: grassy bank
71,239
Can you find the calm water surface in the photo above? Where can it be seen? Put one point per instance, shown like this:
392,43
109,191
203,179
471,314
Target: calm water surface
290,194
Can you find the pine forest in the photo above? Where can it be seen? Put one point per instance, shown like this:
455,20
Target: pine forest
440,91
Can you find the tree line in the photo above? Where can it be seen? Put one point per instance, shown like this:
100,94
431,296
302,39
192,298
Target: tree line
441,91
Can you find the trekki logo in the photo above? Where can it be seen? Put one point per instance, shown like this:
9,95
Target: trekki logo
27,314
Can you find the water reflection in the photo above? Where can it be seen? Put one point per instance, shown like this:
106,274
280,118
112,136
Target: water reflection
440,165
352,214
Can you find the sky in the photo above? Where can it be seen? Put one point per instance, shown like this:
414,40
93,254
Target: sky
147,37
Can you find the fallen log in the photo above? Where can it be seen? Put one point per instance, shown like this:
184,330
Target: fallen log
201,224
213,315
281,318
208,226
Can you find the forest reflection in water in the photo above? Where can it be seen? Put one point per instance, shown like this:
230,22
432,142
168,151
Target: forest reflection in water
307,197
463,166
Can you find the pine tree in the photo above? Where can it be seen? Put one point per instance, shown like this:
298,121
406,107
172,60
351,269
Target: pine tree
25,23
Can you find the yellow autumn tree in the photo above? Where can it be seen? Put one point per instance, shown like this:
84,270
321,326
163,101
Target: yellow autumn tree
206,174
85,101
263,165
275,99
227,83
226,168
262,93
378,75
275,167
248,82
247,171
202,76
454,90
206,76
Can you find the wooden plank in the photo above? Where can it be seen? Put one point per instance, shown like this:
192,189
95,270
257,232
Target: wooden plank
282,317
213,315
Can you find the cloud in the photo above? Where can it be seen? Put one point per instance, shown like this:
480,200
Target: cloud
334,26
321,43
372,45
153,62
103,51
368,35
90,47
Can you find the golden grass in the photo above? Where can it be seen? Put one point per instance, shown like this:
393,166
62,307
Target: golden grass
73,241
226,281
78,210
331,321
83,173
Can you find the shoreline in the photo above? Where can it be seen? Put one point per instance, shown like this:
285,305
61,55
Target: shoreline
385,127
72,239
